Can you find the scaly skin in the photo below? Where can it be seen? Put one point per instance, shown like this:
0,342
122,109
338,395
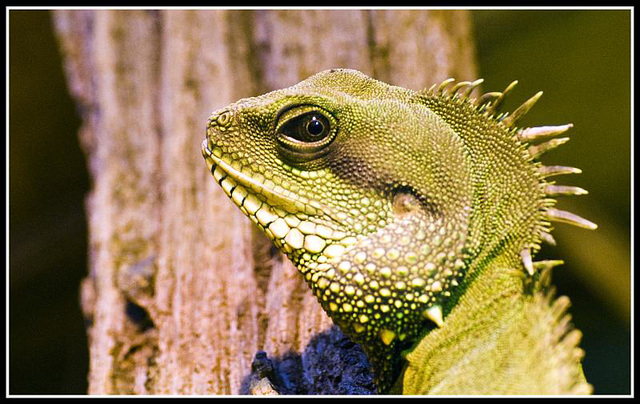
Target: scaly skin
387,200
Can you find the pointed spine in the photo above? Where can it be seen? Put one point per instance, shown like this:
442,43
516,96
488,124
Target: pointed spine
563,190
542,148
434,313
492,109
548,171
470,88
541,132
444,84
547,264
562,216
458,86
522,110
486,98
525,254
548,238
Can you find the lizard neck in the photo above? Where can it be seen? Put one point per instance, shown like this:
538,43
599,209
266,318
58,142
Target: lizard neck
492,294
506,327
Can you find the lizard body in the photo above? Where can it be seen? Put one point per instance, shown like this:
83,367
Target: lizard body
390,202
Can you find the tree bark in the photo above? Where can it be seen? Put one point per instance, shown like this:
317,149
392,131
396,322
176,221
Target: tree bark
183,291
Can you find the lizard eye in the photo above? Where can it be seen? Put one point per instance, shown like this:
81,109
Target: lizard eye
304,132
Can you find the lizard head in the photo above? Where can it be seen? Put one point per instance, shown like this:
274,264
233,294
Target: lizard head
381,196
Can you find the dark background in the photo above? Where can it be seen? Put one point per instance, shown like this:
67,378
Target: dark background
581,59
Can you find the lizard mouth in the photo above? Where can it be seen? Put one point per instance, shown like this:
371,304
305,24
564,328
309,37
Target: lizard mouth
283,215
239,185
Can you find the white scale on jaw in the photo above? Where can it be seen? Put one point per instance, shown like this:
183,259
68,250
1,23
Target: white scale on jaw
287,225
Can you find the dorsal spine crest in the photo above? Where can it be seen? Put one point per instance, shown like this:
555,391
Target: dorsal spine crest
488,105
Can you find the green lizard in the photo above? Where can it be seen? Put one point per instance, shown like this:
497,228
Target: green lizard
397,207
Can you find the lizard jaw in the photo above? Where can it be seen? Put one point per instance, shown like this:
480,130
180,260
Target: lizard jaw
281,198
282,215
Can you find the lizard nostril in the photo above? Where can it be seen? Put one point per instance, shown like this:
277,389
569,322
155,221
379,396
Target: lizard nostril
224,118
220,118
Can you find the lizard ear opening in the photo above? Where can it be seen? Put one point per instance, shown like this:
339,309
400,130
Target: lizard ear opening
405,200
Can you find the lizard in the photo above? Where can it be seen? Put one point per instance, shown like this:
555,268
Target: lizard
393,204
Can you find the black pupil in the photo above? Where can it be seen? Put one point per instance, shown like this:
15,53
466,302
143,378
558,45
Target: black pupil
314,126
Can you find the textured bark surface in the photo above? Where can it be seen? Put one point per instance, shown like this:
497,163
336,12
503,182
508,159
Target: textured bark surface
183,291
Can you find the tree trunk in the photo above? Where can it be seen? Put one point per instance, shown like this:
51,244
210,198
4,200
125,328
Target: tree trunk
183,291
